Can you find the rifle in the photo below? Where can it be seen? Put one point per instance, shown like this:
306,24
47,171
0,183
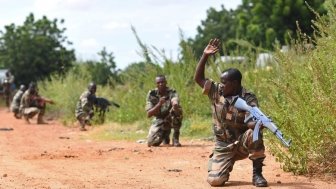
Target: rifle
102,105
47,100
41,101
261,119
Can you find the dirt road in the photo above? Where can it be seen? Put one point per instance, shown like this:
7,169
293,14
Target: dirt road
57,157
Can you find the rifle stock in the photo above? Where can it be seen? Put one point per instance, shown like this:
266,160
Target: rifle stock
261,119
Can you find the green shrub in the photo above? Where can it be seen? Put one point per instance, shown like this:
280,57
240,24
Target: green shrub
296,92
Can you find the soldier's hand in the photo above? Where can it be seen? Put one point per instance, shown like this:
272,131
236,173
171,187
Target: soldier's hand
251,125
175,105
212,47
162,100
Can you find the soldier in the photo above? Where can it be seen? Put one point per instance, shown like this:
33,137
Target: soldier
233,136
7,87
15,106
84,109
32,103
163,104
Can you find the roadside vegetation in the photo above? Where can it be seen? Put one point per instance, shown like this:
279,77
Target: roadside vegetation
295,90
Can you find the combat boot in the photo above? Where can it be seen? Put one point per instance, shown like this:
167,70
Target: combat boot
40,120
87,122
176,137
83,129
17,115
26,118
166,141
166,137
258,180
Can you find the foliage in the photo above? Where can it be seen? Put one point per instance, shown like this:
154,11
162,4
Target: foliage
65,91
261,22
218,24
35,50
103,72
266,21
296,91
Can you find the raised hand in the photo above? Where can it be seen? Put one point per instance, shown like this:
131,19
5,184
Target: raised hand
212,47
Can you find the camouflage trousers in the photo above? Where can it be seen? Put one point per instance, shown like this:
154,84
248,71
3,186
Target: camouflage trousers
32,111
7,96
224,156
84,118
161,128
17,111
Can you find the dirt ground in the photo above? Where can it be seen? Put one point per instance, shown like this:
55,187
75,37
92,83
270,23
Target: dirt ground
58,157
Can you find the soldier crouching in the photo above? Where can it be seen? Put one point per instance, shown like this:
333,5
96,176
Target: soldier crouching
163,104
32,103
84,108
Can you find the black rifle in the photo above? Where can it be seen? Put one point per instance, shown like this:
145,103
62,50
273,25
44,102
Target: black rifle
102,106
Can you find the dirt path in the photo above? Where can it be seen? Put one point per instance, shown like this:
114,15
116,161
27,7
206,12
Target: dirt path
53,156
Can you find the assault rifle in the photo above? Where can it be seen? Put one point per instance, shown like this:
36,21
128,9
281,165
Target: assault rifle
261,119
102,105
40,101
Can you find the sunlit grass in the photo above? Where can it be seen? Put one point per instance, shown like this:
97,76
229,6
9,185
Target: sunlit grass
296,92
116,131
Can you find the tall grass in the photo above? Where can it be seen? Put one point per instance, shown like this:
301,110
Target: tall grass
297,91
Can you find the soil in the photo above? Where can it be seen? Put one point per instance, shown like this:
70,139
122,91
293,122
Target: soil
58,157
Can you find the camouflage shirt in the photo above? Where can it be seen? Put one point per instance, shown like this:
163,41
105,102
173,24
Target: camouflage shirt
85,103
29,100
153,97
228,121
17,99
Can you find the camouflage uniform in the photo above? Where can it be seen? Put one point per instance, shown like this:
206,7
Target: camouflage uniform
84,108
31,104
165,120
15,105
233,137
7,88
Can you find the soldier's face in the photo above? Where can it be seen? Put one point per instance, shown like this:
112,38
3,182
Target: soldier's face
161,83
228,87
32,90
93,89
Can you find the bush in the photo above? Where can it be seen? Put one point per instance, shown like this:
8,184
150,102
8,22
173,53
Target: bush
296,92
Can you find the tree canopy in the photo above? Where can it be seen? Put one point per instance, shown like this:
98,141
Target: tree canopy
102,72
261,22
35,49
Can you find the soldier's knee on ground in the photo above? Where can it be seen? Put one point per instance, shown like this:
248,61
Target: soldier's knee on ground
153,144
217,181
154,140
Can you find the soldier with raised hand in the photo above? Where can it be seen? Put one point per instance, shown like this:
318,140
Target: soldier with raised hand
233,136
162,103
32,103
15,105
85,106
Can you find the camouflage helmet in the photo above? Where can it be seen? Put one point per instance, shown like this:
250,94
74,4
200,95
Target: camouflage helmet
22,87
32,88
92,87
32,85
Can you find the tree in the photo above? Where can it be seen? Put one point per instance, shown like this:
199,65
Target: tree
265,21
261,22
108,60
218,24
35,50
104,71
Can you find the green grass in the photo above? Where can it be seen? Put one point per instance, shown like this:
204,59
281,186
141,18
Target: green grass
116,131
296,92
